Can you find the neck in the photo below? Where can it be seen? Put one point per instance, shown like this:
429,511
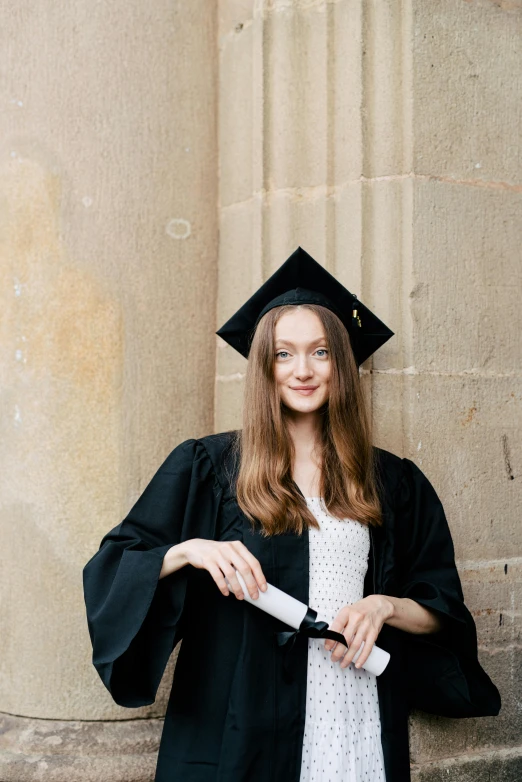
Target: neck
305,431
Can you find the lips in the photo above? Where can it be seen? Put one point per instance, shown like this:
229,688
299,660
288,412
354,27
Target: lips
307,391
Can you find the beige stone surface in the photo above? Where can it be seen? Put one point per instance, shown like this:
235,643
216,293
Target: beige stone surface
467,91
296,97
386,100
467,279
60,751
465,433
233,15
385,236
235,116
229,403
108,240
502,765
271,106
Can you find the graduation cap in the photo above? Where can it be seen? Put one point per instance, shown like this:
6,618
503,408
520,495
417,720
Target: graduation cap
302,280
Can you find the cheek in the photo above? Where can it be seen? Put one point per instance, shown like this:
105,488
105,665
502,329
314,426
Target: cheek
280,375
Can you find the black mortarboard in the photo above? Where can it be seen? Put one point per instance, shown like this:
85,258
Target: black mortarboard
301,280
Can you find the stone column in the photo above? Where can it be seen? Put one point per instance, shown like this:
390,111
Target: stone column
108,158
384,138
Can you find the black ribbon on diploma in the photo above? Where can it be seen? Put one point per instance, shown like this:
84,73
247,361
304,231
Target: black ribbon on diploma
310,628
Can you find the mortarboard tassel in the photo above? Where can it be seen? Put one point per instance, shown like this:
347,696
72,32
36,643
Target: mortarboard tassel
356,321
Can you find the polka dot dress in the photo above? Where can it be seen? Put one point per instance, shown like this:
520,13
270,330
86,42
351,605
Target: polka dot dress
342,736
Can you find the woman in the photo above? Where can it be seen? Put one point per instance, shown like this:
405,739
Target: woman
299,498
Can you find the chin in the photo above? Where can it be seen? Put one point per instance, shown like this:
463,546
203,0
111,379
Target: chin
311,408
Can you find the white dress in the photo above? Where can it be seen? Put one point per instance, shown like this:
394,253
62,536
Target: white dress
342,736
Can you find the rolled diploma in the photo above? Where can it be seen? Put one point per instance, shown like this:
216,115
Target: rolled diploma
283,606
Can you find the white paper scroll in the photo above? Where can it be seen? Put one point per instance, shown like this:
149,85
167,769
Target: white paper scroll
283,606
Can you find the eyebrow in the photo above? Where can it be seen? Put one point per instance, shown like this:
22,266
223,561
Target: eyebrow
287,342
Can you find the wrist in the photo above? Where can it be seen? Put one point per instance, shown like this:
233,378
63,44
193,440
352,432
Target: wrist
180,552
175,558
389,607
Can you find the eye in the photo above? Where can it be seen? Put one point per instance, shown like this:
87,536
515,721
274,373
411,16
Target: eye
281,351
322,350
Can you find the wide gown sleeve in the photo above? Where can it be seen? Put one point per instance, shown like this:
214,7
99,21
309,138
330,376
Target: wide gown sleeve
444,674
134,618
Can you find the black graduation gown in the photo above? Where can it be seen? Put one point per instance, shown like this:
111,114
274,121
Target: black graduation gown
233,714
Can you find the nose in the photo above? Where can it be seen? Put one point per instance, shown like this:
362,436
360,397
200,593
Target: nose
302,369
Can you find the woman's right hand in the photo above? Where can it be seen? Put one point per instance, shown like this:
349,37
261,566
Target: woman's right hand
222,559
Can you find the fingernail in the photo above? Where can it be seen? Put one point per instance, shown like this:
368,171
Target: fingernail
255,595
263,587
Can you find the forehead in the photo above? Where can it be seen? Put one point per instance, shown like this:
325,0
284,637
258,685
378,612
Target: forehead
299,326
298,316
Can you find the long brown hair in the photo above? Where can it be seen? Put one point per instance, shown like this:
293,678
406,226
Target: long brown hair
265,490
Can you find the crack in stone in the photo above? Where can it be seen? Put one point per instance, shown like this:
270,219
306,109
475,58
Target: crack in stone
507,462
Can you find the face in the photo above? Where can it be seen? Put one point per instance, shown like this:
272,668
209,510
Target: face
302,359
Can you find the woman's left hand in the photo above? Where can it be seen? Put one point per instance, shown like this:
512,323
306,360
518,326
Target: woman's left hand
358,622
